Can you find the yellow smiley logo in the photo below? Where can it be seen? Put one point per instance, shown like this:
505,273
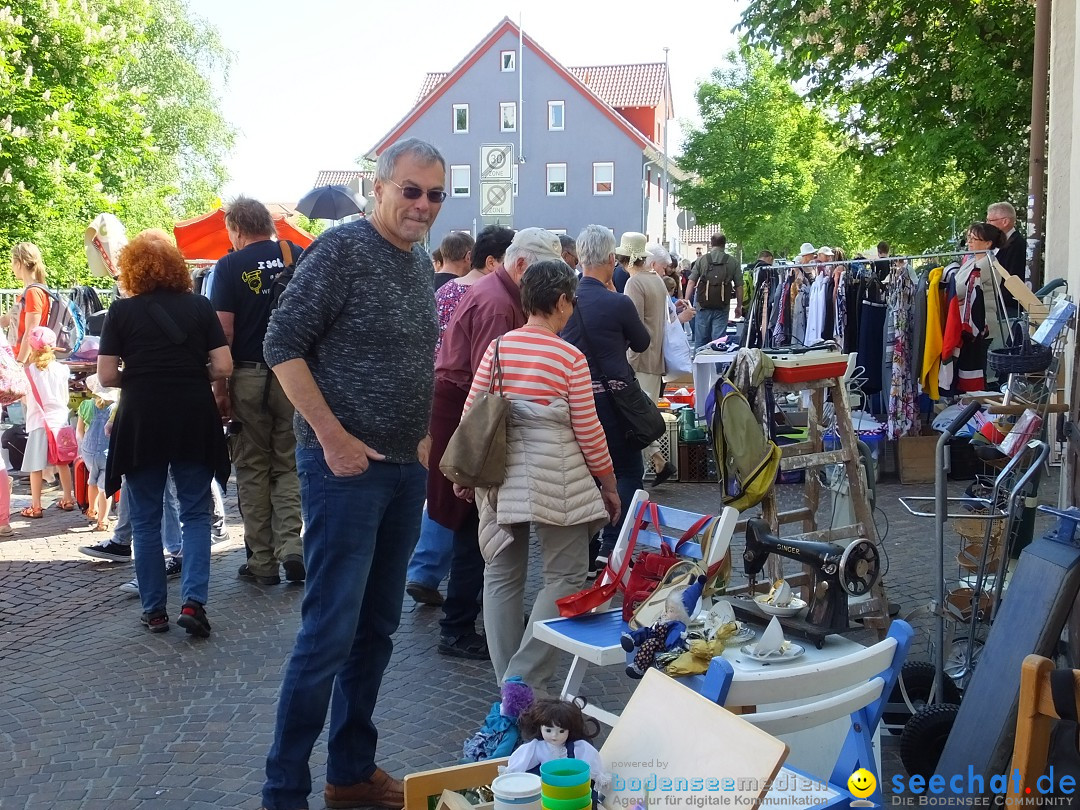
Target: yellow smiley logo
862,783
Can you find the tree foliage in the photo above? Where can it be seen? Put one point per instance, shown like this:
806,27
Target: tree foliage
939,84
108,106
764,164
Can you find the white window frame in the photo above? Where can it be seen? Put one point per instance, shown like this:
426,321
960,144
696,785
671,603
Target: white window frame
595,184
549,181
468,180
504,105
503,66
552,106
454,116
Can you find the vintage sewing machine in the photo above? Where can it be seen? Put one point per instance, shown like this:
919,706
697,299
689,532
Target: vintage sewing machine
836,571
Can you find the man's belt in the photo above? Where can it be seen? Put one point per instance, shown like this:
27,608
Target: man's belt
251,365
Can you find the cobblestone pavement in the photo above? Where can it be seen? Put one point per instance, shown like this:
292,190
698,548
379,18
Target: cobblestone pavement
97,713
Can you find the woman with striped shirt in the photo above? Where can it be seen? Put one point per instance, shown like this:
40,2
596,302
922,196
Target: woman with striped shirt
555,450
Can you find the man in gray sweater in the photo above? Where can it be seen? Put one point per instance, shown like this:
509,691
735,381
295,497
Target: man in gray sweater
351,343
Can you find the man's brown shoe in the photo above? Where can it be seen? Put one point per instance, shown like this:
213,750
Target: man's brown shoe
381,790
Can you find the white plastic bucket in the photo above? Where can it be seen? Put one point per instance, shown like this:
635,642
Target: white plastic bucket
516,791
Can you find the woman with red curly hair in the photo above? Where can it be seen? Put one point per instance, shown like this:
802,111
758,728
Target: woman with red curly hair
172,347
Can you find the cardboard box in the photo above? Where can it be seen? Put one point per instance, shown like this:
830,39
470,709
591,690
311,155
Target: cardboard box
917,459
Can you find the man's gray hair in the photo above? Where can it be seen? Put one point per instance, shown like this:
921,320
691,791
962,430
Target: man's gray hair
423,151
657,255
1001,209
594,245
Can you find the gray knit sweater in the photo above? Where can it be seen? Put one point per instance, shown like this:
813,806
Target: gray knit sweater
362,313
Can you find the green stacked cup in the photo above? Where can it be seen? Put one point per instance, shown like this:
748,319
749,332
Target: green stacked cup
565,784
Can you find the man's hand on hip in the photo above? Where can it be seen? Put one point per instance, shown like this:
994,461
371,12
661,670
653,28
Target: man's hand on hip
423,451
350,456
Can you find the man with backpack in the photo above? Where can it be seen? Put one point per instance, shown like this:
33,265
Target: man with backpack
263,442
716,278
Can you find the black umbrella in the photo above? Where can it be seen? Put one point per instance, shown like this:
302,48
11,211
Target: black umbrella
330,202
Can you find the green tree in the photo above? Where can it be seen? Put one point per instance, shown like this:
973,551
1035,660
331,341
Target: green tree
764,163
108,107
312,226
943,86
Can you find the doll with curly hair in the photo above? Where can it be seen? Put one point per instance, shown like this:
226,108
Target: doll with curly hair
555,729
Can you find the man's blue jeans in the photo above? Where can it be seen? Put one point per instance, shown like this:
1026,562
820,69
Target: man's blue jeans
709,324
359,534
430,561
147,487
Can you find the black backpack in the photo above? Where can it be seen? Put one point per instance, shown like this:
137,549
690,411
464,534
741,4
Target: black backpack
716,284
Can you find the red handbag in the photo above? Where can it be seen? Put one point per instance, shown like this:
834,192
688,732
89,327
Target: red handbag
608,583
650,566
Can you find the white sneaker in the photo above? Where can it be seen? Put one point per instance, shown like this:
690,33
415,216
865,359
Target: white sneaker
131,587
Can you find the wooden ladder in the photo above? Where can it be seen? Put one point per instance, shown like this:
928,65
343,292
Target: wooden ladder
810,456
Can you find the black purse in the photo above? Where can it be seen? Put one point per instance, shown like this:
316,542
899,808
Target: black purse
639,418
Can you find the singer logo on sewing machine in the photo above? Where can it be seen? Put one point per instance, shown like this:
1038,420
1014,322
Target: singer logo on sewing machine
788,549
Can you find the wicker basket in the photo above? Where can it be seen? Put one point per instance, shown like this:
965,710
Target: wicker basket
974,529
1028,358
960,599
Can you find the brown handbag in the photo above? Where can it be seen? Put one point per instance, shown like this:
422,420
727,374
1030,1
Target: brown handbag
475,456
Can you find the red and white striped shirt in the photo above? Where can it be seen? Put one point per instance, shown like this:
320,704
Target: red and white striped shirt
541,367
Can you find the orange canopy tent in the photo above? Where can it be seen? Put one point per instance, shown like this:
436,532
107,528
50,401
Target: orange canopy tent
205,237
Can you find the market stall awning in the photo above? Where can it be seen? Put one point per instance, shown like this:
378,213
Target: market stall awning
205,237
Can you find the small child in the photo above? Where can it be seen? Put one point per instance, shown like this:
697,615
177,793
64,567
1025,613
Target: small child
46,406
94,446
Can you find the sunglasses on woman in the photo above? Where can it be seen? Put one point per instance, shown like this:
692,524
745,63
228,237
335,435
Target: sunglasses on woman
414,193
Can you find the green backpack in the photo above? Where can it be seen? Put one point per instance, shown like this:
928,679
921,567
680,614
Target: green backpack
746,459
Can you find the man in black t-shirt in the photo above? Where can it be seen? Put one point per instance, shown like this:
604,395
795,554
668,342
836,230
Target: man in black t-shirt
264,449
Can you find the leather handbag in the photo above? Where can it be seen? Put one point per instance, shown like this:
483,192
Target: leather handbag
640,419
475,456
608,583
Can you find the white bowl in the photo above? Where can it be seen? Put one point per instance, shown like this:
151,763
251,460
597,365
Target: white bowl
796,605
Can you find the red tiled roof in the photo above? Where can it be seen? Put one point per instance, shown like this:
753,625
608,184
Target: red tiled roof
640,85
341,177
430,81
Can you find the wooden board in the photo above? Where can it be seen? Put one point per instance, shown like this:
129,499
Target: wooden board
674,741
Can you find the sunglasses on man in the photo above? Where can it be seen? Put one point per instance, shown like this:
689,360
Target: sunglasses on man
415,193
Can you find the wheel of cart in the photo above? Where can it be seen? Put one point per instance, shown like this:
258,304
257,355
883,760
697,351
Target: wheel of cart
927,695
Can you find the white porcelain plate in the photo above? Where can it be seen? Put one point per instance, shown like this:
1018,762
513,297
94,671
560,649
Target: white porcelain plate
789,653
796,605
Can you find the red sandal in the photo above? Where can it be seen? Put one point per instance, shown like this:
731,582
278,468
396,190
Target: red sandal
32,512
66,505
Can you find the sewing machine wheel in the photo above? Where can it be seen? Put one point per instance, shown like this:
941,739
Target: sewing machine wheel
860,567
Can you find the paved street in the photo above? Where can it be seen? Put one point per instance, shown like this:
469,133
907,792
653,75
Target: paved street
97,713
